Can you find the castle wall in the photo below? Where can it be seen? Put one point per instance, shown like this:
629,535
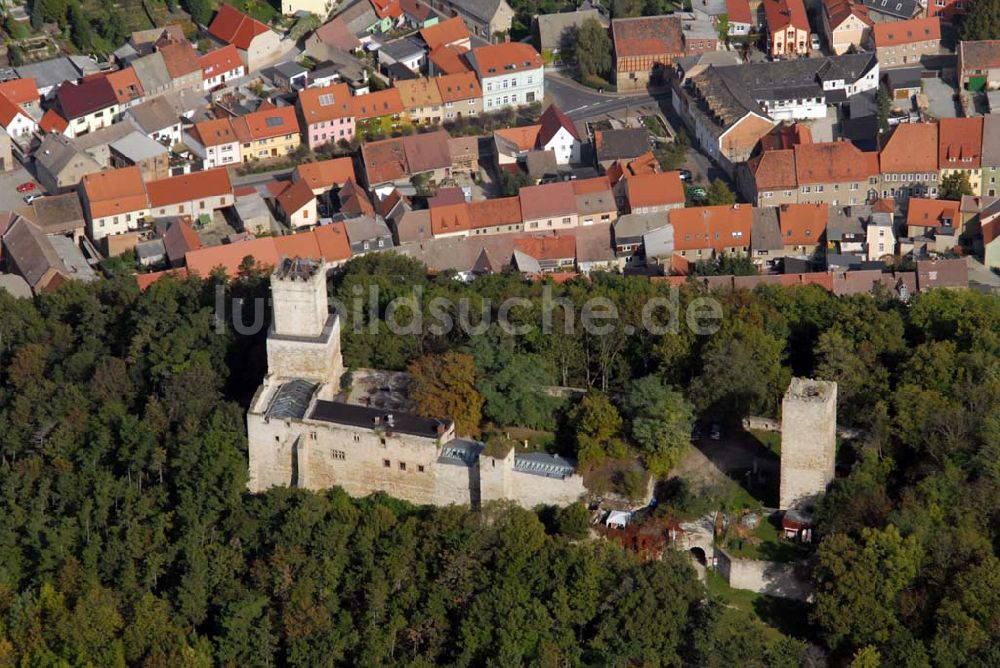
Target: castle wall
808,441
774,578
531,490
456,483
316,359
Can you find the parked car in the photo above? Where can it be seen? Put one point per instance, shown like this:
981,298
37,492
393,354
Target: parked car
814,41
685,174
716,432
697,193
28,199
26,187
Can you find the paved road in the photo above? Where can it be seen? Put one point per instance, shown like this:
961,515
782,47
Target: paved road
581,103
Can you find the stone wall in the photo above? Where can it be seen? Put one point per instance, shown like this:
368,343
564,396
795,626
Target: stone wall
774,578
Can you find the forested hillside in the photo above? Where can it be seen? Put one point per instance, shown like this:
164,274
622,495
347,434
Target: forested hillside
127,537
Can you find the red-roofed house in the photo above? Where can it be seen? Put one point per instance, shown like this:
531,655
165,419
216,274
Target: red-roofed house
924,215
324,175
23,92
128,89
642,46
215,142
802,227
553,253
450,220
837,173
15,121
327,114
787,28
845,24
559,135
908,161
114,201
960,149
511,74
269,132
298,204
740,17
53,122
461,94
257,44
221,65
901,43
190,194
447,60
447,33
496,216
549,206
705,231
652,193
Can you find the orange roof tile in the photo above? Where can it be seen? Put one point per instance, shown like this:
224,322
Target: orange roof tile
594,185
295,197
493,212
384,160
738,11
525,138
457,87
327,103
548,200
215,132
782,14
180,58
9,111
234,27
115,191
387,8
647,36
146,280
20,91
450,218
326,174
219,61
53,122
802,224
445,33
495,60
449,59
416,93
126,85
833,162
333,242
266,123
189,187
716,227
648,190
894,33
554,247
960,143
912,147
773,169
838,11
931,212
379,103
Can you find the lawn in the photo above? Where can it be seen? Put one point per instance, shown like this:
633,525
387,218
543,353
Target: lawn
654,125
769,439
789,617
773,545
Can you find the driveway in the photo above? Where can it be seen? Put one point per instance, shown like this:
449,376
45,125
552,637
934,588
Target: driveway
941,98
10,199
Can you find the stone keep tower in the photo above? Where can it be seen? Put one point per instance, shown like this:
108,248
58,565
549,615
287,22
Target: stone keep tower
304,339
808,441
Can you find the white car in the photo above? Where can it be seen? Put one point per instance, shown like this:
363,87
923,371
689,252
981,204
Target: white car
28,199
814,41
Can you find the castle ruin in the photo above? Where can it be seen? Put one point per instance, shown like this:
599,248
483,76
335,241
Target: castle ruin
300,436
808,441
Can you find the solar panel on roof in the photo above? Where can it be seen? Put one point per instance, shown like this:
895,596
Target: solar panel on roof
274,121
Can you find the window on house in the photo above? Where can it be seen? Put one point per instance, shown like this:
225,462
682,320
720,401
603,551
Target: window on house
420,468
338,454
386,464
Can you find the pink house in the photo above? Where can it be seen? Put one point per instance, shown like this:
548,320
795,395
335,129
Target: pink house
327,114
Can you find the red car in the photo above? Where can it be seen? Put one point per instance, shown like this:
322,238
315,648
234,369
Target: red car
26,187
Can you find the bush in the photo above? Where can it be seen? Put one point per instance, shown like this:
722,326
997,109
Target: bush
597,83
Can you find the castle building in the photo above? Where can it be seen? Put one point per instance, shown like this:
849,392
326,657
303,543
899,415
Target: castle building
808,441
300,436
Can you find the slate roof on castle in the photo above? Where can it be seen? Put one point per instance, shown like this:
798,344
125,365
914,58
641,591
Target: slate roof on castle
372,418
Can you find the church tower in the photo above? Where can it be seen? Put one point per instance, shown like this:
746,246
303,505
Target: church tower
304,339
